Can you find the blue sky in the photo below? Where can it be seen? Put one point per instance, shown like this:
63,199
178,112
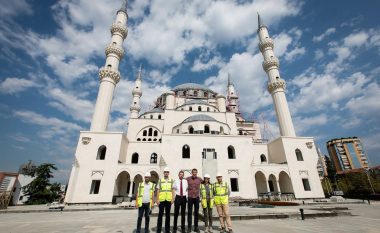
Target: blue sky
51,52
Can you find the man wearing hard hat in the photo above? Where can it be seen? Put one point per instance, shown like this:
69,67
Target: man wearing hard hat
207,200
144,201
221,194
165,199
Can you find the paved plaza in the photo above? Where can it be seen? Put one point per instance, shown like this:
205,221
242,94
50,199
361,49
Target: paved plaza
364,218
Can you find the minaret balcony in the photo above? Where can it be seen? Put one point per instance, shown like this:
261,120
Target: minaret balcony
266,43
278,84
120,29
106,72
135,108
111,48
272,62
136,92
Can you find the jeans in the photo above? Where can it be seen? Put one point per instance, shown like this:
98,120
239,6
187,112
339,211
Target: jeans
164,206
179,202
192,202
145,208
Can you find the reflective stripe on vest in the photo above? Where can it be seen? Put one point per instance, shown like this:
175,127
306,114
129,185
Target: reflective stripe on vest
141,193
204,196
166,190
221,193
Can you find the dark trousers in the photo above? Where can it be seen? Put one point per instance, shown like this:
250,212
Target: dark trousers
145,208
207,213
179,202
164,206
190,203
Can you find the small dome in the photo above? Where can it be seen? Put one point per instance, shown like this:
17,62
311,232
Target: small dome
192,86
155,110
200,117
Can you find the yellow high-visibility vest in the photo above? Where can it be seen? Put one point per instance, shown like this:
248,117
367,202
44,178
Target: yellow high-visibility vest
221,193
141,193
204,196
166,192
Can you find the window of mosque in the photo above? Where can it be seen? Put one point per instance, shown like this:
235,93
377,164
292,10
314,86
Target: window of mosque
190,109
207,129
95,186
205,94
159,116
234,185
139,139
135,158
199,108
263,159
208,109
299,155
155,139
153,158
149,139
109,65
144,133
150,132
221,129
306,184
151,116
101,153
114,43
177,130
155,133
240,132
231,152
186,152
191,129
195,93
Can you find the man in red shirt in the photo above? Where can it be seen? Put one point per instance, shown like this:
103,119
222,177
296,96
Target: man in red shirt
194,183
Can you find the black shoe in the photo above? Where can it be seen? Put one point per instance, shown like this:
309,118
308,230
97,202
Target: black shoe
196,229
188,230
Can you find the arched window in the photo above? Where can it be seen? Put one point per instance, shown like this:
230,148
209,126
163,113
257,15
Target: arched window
195,93
135,158
155,133
150,132
263,159
240,132
159,116
186,152
101,153
205,94
221,129
153,158
299,155
207,129
208,109
199,108
191,129
231,152
144,133
139,139
151,116
144,139
190,108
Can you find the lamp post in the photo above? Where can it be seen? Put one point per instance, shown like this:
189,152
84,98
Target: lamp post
367,170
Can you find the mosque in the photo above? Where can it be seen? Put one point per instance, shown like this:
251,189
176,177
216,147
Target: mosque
191,126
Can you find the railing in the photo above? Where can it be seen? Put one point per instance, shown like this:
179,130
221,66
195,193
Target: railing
276,196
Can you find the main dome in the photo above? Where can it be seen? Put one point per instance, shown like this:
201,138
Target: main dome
192,86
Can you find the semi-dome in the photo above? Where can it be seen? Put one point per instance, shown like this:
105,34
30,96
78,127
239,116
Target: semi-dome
155,110
199,117
192,86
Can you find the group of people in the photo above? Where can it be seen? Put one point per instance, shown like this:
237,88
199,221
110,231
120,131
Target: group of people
192,191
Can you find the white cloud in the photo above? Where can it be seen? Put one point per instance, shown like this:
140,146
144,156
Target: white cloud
295,53
15,8
19,138
303,124
366,104
318,54
356,39
16,85
324,35
201,66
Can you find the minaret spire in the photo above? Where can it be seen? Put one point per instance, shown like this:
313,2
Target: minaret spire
109,75
259,22
136,94
233,99
276,85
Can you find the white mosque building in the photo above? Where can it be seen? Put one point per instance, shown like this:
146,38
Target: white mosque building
191,126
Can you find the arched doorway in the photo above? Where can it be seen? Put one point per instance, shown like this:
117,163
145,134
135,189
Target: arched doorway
261,184
121,188
154,177
285,183
138,179
272,183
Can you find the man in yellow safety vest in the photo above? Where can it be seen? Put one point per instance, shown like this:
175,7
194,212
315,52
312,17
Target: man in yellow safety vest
221,194
207,200
164,199
144,201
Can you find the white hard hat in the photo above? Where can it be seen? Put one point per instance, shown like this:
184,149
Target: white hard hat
207,176
166,169
219,174
147,174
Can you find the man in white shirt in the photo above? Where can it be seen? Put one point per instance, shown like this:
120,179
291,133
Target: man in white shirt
180,187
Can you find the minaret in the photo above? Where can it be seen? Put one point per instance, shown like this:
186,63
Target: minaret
233,99
136,93
109,75
276,85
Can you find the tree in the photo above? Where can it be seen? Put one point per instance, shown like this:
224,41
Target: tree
40,190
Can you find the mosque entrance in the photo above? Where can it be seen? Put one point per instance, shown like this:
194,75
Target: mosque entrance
209,163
